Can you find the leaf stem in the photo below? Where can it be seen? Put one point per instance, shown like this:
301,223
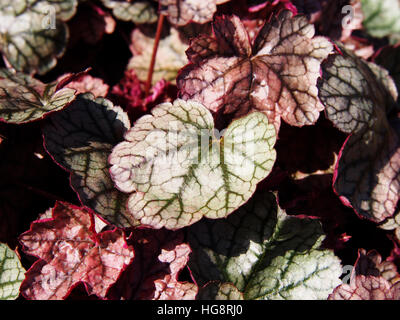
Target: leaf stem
153,57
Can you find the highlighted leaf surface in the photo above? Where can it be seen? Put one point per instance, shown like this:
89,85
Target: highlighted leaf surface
265,253
24,99
276,75
11,273
80,140
70,252
359,99
178,170
33,33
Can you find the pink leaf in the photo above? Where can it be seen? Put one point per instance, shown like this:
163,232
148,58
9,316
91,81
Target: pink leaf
367,288
160,255
87,83
277,74
71,252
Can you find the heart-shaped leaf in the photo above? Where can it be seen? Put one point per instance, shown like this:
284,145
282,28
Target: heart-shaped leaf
80,140
265,253
11,273
24,99
276,75
33,33
359,99
182,12
70,252
169,158
138,11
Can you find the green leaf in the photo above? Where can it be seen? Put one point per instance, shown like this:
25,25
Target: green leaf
33,33
24,99
177,169
140,11
265,253
182,12
216,290
381,18
360,99
80,140
11,273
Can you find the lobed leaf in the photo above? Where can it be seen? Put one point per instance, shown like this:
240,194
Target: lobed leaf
11,273
33,33
138,11
87,83
359,99
70,252
182,12
80,140
276,75
265,253
160,255
24,99
169,158
367,288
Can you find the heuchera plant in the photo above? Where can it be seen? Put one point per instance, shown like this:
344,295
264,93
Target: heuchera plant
210,149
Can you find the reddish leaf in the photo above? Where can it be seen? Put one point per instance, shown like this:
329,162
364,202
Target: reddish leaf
129,93
159,257
30,181
70,252
367,288
276,75
87,83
